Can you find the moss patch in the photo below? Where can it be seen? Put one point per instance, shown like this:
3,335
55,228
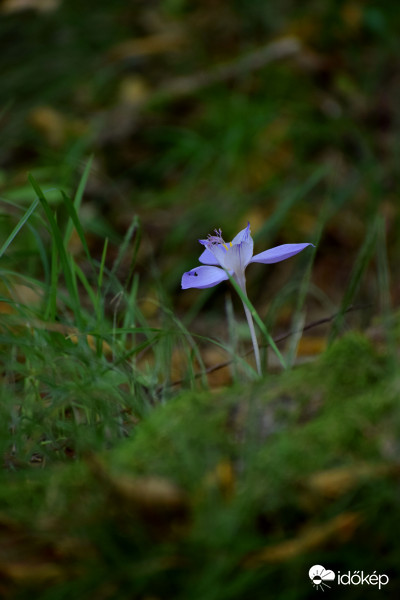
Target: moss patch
223,496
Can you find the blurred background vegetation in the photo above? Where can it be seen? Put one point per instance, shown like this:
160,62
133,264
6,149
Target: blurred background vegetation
164,120
310,126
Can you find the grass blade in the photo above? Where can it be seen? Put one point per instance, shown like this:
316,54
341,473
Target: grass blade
19,226
77,203
57,238
74,222
362,261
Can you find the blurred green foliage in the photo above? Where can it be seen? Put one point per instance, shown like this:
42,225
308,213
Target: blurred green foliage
223,496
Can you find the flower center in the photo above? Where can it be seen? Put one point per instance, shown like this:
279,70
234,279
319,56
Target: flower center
218,239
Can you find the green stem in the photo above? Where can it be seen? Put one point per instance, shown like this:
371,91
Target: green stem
240,286
253,338
241,281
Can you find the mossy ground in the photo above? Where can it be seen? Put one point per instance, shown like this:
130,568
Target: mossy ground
227,495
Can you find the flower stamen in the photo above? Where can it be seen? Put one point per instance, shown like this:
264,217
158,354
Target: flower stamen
216,239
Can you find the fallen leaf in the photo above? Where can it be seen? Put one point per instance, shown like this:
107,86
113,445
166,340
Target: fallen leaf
150,495
30,572
50,123
10,6
336,482
311,345
339,529
147,46
54,126
133,91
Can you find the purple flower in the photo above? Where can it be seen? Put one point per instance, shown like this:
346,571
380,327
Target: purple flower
220,256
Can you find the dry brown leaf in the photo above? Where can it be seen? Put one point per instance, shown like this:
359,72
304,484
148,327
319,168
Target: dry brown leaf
150,494
30,296
50,123
90,339
54,126
335,482
6,308
148,46
213,356
28,572
311,346
19,294
10,6
133,91
339,529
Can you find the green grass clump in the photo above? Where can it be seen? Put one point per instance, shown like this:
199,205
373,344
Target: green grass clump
81,364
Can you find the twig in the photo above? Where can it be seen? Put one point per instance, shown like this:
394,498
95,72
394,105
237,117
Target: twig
277,340
243,65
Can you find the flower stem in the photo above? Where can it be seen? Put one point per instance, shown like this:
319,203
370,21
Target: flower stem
240,286
253,338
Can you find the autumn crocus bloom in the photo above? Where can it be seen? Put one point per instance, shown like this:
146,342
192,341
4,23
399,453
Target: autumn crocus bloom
221,258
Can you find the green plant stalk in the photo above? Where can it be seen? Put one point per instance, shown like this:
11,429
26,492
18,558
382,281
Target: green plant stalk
240,287
253,338
73,209
19,226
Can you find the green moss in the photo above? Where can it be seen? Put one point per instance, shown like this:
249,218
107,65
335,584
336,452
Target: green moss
352,364
244,461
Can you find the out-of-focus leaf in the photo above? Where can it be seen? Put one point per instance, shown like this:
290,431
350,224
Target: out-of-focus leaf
311,346
147,46
148,495
335,482
11,6
55,127
223,477
338,530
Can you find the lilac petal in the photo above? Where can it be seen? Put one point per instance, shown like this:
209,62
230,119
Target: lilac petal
203,277
242,236
238,256
220,252
208,258
274,255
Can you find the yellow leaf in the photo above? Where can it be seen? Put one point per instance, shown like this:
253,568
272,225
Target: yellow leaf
133,91
147,46
335,482
223,476
24,572
10,6
148,494
311,345
338,529
50,123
